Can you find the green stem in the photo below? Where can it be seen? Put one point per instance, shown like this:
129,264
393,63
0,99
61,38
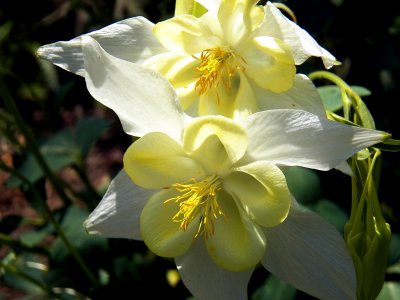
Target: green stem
31,142
18,246
94,195
27,277
184,7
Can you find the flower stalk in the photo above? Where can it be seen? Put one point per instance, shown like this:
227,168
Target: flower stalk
10,104
366,233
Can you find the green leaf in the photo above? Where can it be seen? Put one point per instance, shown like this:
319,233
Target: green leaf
26,267
77,235
394,269
361,91
390,291
5,30
65,148
331,213
274,288
88,130
304,184
394,249
331,98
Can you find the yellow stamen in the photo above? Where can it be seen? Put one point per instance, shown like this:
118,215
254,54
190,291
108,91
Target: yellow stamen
198,197
217,64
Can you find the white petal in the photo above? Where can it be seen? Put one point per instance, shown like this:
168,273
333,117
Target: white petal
118,213
205,280
143,100
131,39
211,5
299,138
302,95
345,168
302,44
311,255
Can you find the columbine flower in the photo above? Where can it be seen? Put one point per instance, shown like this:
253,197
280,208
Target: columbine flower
236,59
209,191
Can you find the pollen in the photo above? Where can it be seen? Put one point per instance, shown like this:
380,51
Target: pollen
216,65
198,198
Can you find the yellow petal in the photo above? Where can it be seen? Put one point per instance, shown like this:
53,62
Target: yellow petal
157,161
185,34
237,101
262,190
232,136
238,244
269,63
179,70
159,232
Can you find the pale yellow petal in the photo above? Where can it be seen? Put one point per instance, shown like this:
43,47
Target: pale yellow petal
179,70
238,244
157,161
269,63
232,136
158,229
236,101
212,155
186,34
262,190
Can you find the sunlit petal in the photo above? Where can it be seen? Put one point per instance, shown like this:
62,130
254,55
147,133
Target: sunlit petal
302,95
129,39
157,161
299,138
262,190
206,280
238,243
118,213
159,231
311,255
231,135
143,100
186,34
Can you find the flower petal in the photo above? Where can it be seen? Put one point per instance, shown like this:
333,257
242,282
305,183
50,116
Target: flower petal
302,95
131,39
143,100
237,101
269,63
179,70
205,280
186,34
311,255
118,213
237,244
234,19
262,190
302,44
157,161
231,135
299,138
160,233
211,5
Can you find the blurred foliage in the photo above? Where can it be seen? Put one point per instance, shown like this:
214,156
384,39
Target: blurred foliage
73,132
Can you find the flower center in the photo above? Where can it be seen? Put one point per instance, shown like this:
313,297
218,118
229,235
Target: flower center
217,64
198,197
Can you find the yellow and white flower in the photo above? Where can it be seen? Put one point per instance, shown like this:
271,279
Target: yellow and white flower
210,192
236,59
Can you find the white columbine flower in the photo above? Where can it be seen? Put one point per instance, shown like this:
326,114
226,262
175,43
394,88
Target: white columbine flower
236,59
210,192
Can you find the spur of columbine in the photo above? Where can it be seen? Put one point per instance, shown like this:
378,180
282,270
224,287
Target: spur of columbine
210,190
236,59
